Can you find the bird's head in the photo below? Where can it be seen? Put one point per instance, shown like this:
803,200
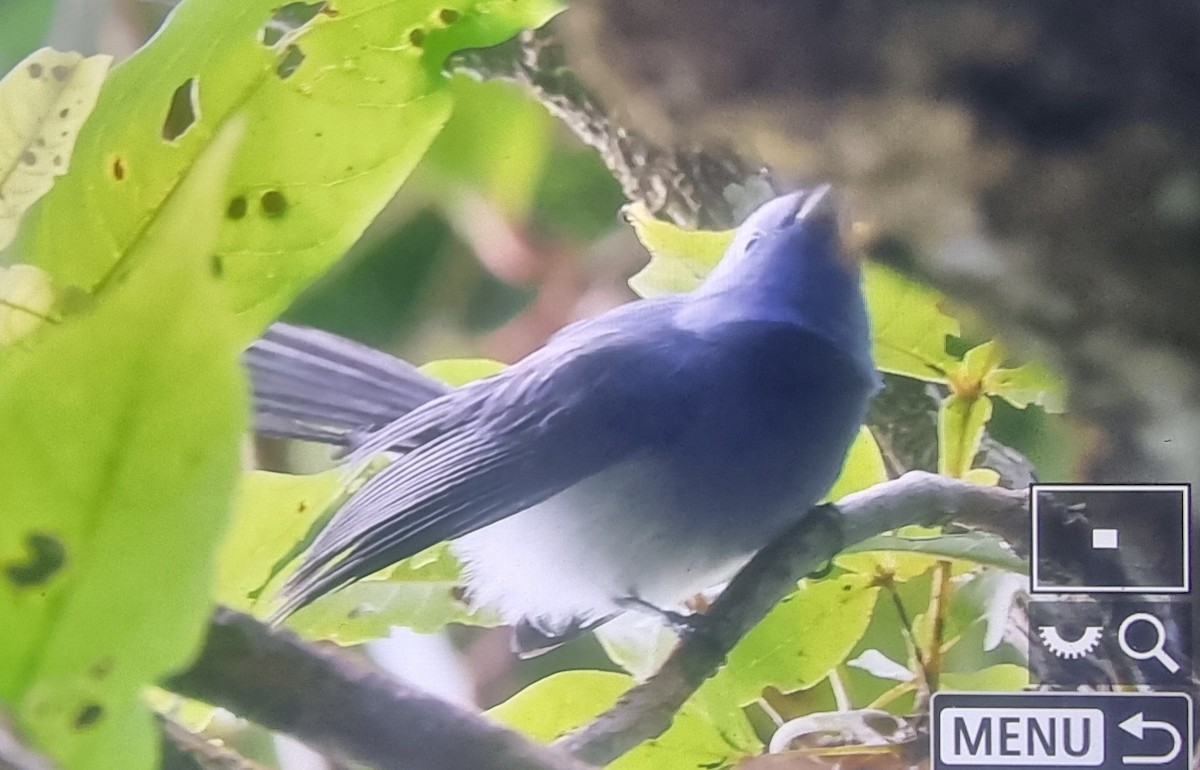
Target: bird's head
787,263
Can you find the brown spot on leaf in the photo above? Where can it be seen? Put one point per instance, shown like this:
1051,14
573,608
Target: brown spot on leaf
28,158
45,556
64,112
101,668
216,265
448,15
88,715
417,37
60,72
118,169
35,70
237,207
273,203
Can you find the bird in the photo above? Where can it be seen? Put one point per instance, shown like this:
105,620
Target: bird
638,459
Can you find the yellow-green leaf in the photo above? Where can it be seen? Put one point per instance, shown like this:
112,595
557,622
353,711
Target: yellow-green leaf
120,456
495,143
803,638
1031,383
908,328
961,422
564,701
1003,677
274,512
341,100
679,259
864,467
460,371
44,102
982,360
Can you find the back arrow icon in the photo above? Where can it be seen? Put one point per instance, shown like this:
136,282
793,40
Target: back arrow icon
1137,725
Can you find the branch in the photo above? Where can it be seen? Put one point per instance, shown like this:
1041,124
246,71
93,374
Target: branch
184,750
646,710
694,188
345,709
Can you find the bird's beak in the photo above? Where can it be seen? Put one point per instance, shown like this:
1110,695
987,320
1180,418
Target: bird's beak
818,204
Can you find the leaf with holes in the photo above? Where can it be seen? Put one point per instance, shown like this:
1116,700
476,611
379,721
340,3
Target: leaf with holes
120,454
342,98
44,102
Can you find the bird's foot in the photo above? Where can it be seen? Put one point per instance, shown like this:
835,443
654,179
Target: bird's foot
691,628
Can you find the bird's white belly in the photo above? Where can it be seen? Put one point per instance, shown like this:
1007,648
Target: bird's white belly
620,533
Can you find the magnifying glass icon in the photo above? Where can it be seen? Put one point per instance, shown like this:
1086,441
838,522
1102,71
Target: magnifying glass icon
1156,650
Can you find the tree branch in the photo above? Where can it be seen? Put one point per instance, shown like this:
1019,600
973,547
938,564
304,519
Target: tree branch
694,188
646,710
345,709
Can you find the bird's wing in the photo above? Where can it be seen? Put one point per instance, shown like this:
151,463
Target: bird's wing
317,386
501,445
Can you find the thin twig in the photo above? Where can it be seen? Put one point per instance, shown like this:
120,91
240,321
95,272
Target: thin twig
184,750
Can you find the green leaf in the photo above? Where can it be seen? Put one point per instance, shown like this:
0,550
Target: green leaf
803,638
44,102
982,360
274,512
120,452
961,422
975,547
460,371
1032,383
1004,677
422,593
561,702
863,467
907,326
900,566
496,143
679,259
341,100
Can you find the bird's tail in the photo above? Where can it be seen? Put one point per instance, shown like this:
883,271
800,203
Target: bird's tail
316,386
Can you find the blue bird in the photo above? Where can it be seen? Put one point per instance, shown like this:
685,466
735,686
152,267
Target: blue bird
638,458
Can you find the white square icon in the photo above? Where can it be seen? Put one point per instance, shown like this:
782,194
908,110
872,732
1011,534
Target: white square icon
1104,539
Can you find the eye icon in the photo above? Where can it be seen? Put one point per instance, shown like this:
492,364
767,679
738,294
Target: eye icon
1070,649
